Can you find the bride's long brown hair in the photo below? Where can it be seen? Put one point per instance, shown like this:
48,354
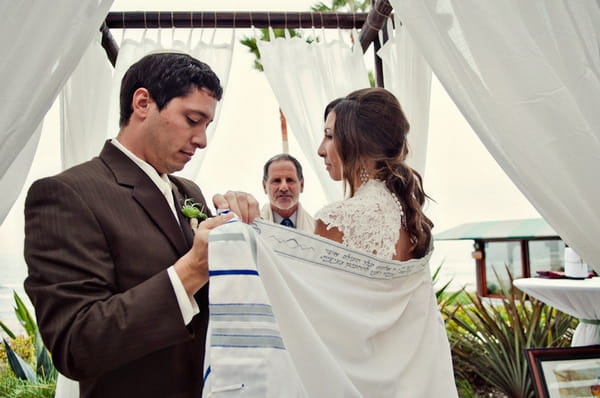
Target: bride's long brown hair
370,126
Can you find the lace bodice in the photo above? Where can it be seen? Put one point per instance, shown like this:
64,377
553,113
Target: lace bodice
370,220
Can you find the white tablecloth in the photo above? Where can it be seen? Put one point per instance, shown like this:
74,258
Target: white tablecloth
576,297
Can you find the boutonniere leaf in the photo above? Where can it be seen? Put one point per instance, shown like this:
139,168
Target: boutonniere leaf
194,211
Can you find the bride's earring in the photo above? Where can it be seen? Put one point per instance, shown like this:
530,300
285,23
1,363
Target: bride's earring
364,176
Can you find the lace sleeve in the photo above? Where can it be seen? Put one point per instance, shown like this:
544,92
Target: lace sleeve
366,225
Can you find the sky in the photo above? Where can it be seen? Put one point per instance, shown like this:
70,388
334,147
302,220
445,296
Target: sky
461,176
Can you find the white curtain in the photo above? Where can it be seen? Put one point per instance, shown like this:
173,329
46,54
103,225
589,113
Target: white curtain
526,75
84,106
408,76
41,44
304,78
201,44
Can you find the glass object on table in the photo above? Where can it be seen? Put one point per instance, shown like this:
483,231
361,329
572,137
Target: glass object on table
546,255
575,267
498,256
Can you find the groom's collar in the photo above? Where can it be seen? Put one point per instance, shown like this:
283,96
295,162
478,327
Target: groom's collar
161,181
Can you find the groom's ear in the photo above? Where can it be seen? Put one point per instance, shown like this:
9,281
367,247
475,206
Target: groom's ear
264,186
140,102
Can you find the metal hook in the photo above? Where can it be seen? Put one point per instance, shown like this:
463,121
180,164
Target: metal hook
172,28
145,22
159,24
124,27
214,32
189,43
322,26
285,20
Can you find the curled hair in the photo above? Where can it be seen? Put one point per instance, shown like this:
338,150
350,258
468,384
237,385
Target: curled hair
166,76
370,126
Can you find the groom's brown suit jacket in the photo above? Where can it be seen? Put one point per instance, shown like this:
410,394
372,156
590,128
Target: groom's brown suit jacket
99,238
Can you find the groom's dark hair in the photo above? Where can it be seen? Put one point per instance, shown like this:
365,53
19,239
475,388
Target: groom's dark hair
166,76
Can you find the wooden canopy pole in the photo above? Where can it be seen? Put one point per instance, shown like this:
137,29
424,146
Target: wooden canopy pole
233,19
375,21
109,44
369,23
369,33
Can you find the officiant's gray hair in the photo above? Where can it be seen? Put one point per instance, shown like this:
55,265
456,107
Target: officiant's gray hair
280,157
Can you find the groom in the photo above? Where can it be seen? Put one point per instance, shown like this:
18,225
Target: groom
117,279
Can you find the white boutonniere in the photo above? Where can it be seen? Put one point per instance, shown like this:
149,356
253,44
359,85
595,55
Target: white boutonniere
194,211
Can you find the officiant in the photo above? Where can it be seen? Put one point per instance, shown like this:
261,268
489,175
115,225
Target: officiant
283,182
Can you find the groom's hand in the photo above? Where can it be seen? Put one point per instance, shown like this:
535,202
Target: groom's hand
192,267
244,205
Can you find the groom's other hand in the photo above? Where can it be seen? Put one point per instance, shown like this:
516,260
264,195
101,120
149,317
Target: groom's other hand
244,205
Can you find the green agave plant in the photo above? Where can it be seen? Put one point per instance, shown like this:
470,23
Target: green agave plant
488,338
44,368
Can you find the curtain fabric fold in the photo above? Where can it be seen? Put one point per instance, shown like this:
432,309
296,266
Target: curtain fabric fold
408,76
304,78
84,107
41,45
526,76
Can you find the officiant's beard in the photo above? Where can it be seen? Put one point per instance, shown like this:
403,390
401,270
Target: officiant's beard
285,205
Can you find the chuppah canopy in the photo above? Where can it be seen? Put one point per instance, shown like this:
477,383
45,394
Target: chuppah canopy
526,75
27,35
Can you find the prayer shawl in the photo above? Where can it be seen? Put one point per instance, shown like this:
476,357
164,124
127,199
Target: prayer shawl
296,315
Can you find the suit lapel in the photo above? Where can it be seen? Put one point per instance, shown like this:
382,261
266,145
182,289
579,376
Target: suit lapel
146,193
184,221
156,206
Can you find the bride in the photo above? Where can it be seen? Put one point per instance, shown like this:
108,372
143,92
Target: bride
365,146
354,315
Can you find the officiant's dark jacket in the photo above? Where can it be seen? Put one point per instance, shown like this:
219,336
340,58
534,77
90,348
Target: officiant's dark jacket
99,238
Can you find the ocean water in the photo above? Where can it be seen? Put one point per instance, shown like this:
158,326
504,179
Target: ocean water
457,266
11,281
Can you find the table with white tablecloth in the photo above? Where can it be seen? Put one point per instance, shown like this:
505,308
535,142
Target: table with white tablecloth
576,297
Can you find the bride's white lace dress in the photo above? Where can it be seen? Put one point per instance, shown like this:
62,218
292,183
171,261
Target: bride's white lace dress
370,220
